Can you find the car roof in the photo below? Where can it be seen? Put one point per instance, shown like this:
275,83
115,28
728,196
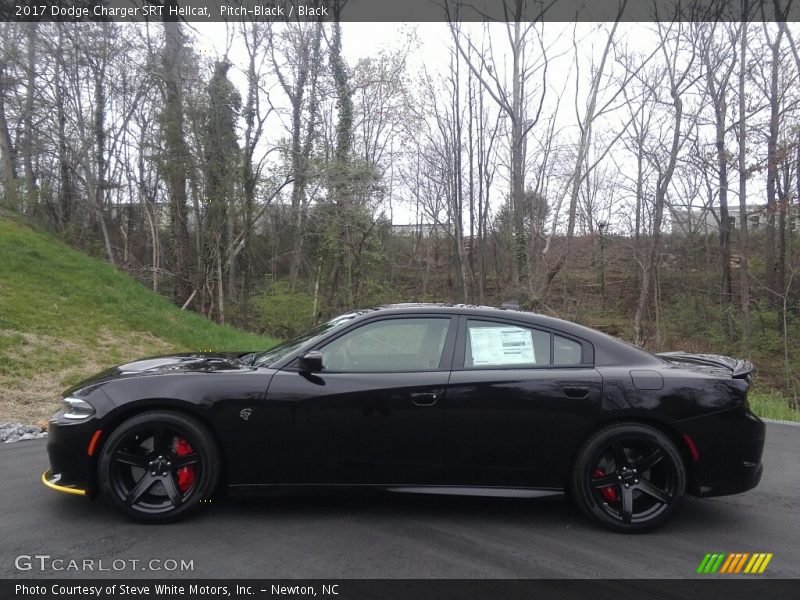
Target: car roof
475,310
479,311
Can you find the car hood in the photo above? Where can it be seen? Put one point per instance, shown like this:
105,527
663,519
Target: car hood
205,362
198,362
710,363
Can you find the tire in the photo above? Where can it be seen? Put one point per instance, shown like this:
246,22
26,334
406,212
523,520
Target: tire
628,477
157,466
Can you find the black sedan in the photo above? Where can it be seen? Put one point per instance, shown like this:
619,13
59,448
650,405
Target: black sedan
422,399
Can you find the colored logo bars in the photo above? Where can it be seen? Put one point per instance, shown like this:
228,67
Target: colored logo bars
736,562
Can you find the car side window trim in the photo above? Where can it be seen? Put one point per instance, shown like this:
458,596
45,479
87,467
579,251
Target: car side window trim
459,358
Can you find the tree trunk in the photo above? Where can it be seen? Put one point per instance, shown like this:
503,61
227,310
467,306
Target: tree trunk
664,179
176,157
298,173
220,151
744,250
457,191
99,138
248,174
583,148
341,281
231,257
8,154
517,174
717,89
471,154
66,197
150,214
772,163
302,144
28,147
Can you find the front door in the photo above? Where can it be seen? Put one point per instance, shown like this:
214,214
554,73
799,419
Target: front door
374,414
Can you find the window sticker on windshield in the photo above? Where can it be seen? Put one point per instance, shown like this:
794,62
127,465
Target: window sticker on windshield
501,346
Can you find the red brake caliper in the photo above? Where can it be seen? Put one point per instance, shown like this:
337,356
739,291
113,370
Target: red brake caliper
185,474
609,493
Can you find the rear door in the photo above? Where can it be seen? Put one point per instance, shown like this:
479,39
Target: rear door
519,402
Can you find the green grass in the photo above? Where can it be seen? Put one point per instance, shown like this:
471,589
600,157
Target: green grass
769,404
65,315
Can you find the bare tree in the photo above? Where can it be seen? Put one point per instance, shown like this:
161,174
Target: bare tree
66,193
298,72
676,69
744,243
772,153
515,101
339,171
442,156
719,60
582,169
8,150
28,144
255,115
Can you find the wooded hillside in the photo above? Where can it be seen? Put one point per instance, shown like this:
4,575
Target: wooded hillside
642,178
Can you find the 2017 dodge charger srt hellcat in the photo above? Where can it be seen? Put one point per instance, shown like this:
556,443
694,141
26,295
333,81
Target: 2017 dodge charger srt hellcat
417,398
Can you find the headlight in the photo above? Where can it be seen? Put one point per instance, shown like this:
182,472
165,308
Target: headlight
75,408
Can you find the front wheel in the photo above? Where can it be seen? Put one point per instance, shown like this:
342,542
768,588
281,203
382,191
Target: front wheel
629,477
157,466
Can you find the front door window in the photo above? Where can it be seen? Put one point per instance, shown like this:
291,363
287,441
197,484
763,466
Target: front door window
392,345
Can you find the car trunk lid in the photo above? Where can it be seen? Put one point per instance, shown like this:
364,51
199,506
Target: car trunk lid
738,368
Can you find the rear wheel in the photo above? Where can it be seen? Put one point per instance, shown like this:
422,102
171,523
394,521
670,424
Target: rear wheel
629,477
157,466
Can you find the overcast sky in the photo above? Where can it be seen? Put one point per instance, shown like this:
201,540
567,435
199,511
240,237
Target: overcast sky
434,41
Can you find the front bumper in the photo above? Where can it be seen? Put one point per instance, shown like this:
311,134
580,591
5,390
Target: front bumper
53,481
72,468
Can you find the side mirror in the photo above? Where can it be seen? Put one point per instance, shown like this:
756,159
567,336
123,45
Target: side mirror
311,362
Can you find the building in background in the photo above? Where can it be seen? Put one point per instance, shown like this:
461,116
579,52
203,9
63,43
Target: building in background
706,221
423,230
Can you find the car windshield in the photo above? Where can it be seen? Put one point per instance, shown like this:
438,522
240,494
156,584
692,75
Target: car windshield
284,349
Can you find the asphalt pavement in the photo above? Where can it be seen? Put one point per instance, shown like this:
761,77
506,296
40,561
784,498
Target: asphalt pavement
389,535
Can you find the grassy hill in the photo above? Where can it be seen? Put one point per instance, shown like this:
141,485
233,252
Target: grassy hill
65,315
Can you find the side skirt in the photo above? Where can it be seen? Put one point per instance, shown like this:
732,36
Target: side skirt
494,492
451,490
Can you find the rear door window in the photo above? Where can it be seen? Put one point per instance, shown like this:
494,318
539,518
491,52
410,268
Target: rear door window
493,344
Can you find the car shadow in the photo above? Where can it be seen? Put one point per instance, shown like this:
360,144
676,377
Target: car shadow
699,515
695,515
304,505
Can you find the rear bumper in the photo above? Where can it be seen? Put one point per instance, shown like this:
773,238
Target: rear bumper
747,478
730,445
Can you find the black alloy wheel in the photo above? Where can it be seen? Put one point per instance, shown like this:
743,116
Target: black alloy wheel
629,477
158,466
